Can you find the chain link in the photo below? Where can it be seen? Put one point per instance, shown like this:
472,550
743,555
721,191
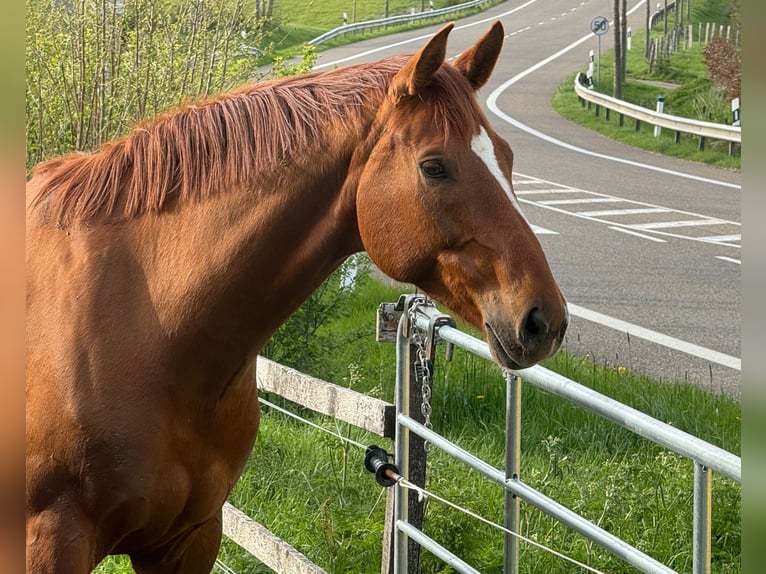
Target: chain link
422,371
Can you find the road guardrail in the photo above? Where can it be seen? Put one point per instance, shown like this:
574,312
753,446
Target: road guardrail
383,22
704,130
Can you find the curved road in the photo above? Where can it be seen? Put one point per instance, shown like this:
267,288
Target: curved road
645,247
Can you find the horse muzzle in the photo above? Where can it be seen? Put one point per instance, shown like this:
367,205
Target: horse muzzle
536,337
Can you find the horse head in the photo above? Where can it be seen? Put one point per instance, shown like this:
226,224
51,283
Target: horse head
436,208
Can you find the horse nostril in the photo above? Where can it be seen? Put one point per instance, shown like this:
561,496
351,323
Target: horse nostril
534,328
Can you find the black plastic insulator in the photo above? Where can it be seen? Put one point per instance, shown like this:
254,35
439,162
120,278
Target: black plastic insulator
376,461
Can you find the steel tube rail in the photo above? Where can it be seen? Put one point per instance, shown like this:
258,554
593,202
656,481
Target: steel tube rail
669,437
435,548
675,123
566,516
379,23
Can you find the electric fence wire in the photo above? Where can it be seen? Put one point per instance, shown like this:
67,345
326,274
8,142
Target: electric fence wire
311,424
223,567
423,493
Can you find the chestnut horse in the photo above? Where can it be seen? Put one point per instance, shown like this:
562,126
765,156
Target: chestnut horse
159,265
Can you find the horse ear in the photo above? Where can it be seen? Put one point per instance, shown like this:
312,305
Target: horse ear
477,62
417,73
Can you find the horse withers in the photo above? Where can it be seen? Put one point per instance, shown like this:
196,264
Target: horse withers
159,265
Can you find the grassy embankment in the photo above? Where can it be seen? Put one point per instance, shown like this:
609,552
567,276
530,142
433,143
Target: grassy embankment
298,22
695,95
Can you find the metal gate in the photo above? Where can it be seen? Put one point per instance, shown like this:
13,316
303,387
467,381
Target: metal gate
419,328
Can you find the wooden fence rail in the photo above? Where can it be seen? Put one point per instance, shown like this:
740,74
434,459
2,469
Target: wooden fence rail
365,412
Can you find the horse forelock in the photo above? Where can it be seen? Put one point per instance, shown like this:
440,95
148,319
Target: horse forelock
197,150
450,102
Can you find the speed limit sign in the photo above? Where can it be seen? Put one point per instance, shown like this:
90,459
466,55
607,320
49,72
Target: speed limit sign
599,25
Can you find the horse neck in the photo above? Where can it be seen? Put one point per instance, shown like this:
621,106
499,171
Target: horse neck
234,267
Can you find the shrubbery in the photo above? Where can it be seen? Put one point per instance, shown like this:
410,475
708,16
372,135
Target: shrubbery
96,67
724,62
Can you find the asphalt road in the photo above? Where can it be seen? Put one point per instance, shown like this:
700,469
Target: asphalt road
645,247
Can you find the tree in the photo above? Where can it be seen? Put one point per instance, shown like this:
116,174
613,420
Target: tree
264,8
96,67
620,40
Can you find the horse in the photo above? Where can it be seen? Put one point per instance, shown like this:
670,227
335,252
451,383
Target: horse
160,264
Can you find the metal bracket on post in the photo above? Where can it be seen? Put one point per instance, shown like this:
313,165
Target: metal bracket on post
388,317
405,303
436,319
432,337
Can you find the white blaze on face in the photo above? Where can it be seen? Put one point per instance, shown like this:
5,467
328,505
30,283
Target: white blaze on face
482,146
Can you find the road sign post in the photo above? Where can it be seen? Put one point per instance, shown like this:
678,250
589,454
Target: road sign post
599,26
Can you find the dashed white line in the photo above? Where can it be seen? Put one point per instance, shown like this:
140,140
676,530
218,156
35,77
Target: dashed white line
637,211
545,191
419,38
542,230
670,224
729,259
580,200
721,238
637,234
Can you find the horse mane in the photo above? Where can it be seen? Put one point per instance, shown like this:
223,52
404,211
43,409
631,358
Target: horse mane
194,151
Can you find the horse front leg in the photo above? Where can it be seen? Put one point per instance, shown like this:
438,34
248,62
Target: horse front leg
60,543
194,553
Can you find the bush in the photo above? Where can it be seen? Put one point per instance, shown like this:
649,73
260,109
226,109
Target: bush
724,62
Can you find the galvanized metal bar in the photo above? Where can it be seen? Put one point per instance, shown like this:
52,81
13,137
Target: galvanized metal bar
512,470
401,442
701,545
663,434
373,24
615,545
687,125
435,548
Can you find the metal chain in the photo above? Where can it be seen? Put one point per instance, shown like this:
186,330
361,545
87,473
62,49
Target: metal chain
425,384
422,371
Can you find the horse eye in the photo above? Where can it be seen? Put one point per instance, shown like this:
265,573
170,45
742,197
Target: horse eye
433,168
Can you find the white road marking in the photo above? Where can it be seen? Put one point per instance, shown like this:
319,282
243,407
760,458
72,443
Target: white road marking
669,224
721,238
542,230
655,337
580,200
729,259
525,181
602,216
637,211
542,191
637,234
